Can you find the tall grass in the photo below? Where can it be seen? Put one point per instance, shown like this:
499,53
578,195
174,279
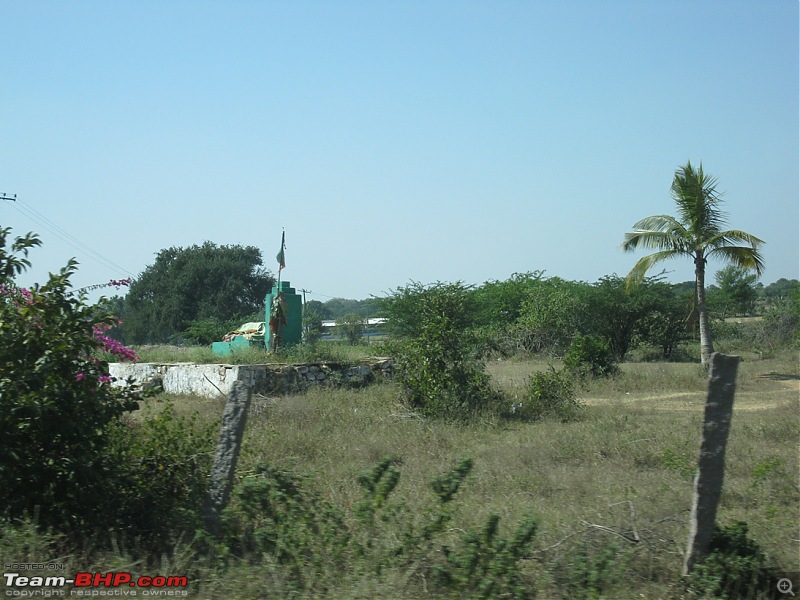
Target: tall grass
611,491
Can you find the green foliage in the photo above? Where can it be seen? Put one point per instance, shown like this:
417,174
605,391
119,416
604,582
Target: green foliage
615,313
678,462
207,330
352,327
55,400
161,464
487,565
665,324
434,361
377,484
551,394
412,308
15,260
697,233
499,303
482,564
780,327
195,283
336,308
273,513
314,312
735,567
590,355
737,291
591,570
552,313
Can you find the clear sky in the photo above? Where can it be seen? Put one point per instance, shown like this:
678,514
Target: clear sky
394,141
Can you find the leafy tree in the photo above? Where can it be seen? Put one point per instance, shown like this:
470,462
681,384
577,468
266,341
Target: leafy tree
697,233
499,303
406,306
342,307
614,313
319,309
314,312
55,397
665,324
590,355
552,314
352,327
434,356
737,288
783,288
205,331
185,285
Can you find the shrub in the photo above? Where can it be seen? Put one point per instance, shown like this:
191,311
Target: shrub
56,402
160,467
735,567
274,514
435,364
351,327
590,355
551,394
206,331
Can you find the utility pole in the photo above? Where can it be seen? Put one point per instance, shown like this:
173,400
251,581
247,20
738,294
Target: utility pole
5,196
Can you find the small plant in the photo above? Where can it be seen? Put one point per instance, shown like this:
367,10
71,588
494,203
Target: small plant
735,567
590,355
680,463
160,477
274,514
551,394
486,565
591,569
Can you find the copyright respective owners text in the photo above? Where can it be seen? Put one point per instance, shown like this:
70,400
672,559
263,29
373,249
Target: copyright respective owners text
56,580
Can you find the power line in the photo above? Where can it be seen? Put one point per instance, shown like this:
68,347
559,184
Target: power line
27,210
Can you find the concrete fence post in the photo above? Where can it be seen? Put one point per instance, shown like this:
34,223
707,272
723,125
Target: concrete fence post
711,465
230,442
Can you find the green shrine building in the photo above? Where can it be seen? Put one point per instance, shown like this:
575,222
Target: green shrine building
282,326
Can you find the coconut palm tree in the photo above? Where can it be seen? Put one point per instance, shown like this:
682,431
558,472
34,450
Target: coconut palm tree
697,233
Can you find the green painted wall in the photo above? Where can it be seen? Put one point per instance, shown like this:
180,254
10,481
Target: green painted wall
292,331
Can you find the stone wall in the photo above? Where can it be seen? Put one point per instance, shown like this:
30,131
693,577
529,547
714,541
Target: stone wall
216,380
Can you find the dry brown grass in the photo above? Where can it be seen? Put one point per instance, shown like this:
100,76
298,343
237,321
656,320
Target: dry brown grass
627,465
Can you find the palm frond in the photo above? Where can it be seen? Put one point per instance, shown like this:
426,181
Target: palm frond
656,240
659,223
660,232
745,257
697,199
733,237
645,263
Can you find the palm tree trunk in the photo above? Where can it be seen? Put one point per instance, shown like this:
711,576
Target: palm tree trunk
706,344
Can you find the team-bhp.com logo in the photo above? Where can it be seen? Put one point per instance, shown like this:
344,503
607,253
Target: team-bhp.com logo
94,584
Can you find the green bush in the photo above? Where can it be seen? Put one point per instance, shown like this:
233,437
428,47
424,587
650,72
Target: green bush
273,513
56,402
205,331
592,569
434,361
160,477
735,567
551,394
590,355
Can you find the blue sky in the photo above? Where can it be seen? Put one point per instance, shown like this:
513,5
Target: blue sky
394,141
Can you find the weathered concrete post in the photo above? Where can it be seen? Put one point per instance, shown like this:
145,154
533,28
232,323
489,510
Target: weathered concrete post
230,442
711,466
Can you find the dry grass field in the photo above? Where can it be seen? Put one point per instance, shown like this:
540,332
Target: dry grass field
611,491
